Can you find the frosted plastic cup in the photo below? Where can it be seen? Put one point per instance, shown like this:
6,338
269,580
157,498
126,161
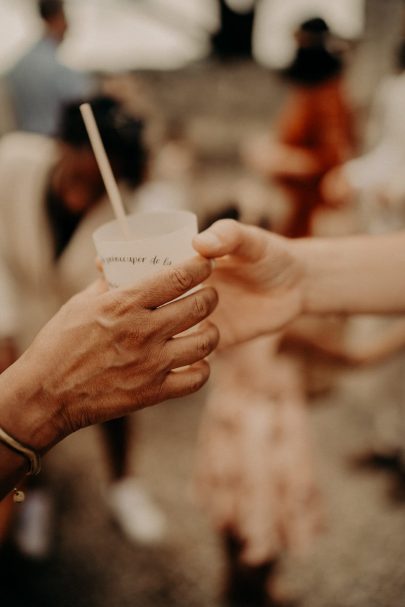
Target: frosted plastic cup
158,240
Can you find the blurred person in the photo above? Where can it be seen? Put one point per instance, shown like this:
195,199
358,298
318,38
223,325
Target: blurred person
136,97
254,474
52,199
172,170
73,374
314,131
172,155
236,195
376,178
277,19
39,85
233,39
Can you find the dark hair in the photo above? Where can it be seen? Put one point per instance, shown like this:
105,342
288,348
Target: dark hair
232,211
122,135
229,212
50,8
314,63
316,25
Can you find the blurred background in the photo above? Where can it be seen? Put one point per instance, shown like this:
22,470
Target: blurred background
211,82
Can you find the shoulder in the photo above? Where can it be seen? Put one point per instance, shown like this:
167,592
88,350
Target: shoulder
37,51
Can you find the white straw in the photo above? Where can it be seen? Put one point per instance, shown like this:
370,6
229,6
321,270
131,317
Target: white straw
105,167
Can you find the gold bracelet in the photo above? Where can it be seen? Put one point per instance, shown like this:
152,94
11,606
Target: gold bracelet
33,458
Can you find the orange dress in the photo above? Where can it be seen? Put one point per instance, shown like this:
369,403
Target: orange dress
316,121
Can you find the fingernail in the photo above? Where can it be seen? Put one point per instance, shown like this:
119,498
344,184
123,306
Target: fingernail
210,239
213,264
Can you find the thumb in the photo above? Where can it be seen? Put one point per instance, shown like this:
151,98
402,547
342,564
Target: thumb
228,237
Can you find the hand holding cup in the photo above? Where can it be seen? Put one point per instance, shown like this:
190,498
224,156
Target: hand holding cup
108,353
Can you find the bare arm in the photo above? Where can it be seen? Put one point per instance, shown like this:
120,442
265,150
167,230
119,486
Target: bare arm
265,281
358,274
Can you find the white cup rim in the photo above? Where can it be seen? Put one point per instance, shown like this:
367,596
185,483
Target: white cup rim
97,235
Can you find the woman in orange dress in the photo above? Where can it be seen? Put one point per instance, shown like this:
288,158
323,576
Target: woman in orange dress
314,130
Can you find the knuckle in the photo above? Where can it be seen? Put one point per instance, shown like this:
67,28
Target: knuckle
167,360
152,331
106,308
134,335
198,379
213,295
160,361
112,307
202,304
205,267
160,392
215,336
208,341
181,279
204,345
121,303
144,329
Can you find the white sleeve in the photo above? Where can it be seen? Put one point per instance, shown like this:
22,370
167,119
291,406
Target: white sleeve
373,169
377,167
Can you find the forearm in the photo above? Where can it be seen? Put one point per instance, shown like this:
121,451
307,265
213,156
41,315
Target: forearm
359,274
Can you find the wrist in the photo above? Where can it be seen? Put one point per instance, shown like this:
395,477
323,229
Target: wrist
310,254
27,413
327,275
297,281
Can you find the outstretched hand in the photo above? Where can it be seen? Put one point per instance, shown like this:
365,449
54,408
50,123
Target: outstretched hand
257,278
